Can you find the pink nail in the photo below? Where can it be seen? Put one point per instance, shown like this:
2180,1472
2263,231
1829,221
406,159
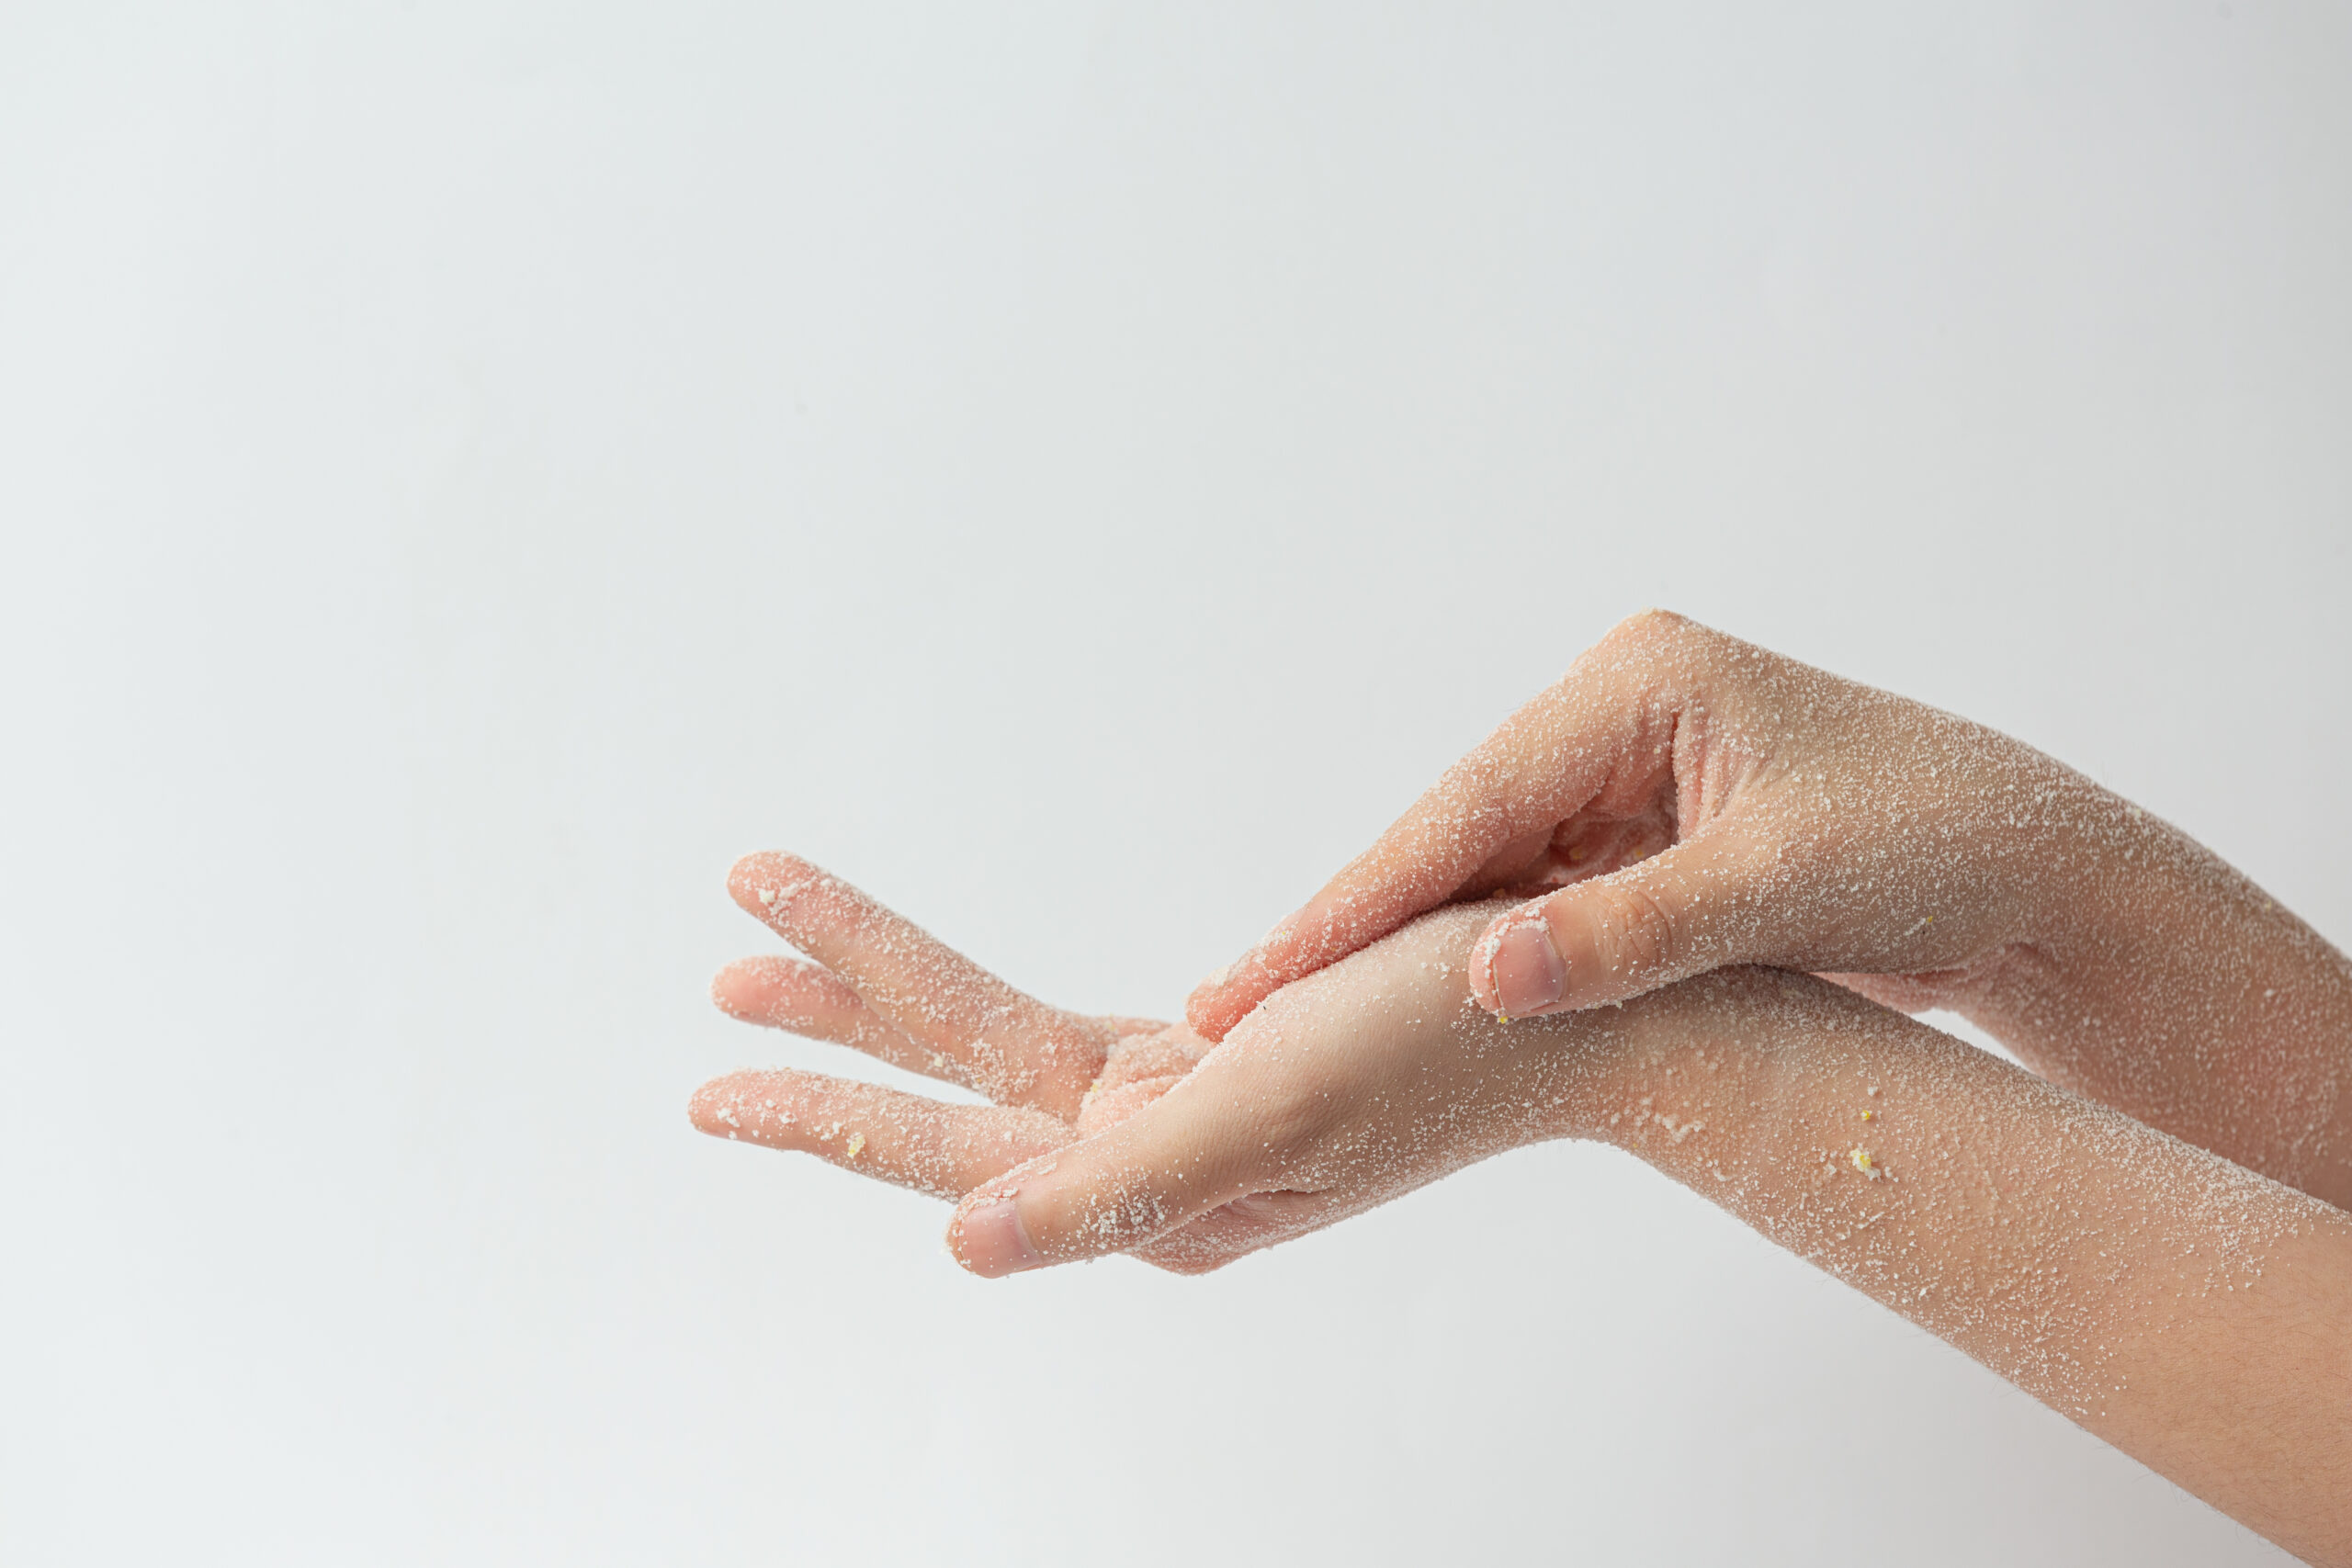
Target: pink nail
1523,971
994,1243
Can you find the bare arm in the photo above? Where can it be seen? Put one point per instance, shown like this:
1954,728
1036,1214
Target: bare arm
2192,1312
2194,1315
1681,801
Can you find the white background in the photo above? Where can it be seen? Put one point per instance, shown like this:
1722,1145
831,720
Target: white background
469,470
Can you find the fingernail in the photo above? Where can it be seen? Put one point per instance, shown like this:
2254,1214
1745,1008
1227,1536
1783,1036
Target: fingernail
1523,971
994,1243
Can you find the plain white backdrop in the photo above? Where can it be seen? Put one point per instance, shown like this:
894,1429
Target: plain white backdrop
467,471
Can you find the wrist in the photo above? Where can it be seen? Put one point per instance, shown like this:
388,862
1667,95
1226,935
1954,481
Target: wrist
2108,896
1675,1075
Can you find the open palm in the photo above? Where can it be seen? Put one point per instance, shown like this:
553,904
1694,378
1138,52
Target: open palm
885,987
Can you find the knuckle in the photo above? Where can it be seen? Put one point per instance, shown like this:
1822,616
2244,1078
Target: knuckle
1633,931
1645,654
1650,628
1667,642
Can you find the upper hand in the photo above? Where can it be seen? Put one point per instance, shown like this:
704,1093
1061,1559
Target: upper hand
1681,800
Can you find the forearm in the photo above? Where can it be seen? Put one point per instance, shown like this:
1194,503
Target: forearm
2178,992
2120,958
2193,1313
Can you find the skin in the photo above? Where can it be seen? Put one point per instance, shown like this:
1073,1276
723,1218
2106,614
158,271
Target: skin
1681,801
2192,1312
885,987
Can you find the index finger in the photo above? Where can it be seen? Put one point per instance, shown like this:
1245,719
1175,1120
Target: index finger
1541,766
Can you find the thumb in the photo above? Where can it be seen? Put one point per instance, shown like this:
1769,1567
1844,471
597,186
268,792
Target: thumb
1690,909
1196,1148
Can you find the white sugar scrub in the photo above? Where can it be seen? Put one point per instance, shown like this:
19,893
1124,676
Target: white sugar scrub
2182,1307
2053,1239
2103,1266
1682,800
2049,1237
943,1150
904,995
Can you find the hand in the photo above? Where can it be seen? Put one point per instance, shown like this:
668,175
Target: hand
2185,1310
1386,1078
1348,1088
1681,801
